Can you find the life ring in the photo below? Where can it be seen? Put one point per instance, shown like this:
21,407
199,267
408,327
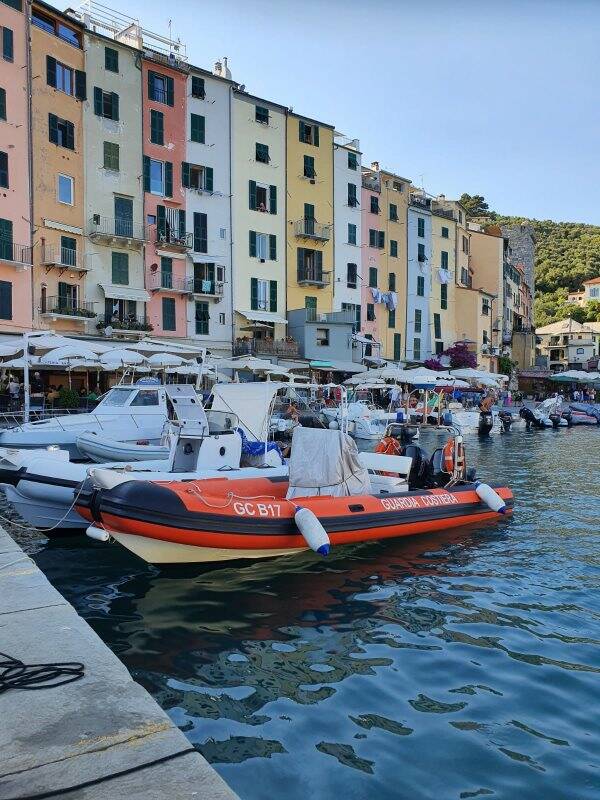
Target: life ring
448,458
389,446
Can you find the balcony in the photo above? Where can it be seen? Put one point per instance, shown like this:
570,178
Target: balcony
310,276
167,282
370,182
66,308
128,326
207,288
17,254
311,229
63,258
331,318
266,347
420,201
170,240
117,231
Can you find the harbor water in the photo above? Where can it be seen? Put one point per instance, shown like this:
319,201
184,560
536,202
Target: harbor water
459,665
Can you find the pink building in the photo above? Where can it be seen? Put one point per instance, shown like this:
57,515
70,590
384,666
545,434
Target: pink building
15,210
164,147
371,252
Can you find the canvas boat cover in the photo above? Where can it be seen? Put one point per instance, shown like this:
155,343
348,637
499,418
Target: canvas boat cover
325,462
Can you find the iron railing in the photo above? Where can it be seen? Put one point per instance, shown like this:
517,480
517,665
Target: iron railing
62,257
207,287
17,253
66,307
311,229
118,228
313,276
170,282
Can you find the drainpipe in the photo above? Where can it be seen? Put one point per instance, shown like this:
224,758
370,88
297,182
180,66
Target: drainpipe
231,216
27,16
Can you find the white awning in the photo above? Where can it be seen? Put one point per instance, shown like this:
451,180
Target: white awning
124,292
264,316
341,366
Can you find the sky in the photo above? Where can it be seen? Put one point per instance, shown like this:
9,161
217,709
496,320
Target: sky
495,98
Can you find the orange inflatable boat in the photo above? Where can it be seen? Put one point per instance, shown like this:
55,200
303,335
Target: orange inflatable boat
220,519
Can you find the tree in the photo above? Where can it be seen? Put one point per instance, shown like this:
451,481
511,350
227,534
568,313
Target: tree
433,363
460,356
474,205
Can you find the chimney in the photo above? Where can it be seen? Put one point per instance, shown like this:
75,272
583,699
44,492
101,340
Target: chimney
375,166
226,71
218,68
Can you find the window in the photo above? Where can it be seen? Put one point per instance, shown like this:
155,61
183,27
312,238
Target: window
307,133
111,59
68,34
370,312
198,90
322,337
484,337
157,177
161,88
417,349
437,326
464,276
393,248
392,282
3,104
393,212
376,239
8,53
309,167
202,318
485,306
263,246
262,153
166,272
351,276
3,170
421,253
42,21
261,114
351,233
65,79
6,240
123,208
221,319
5,300
310,266
420,226
55,27
352,198
391,318
397,346
65,189
418,320
352,161
111,156
465,244
310,303
373,277
106,104
200,233
444,296
61,132
262,198
444,259
195,176
420,286
374,204
168,314
68,251
197,128
120,268
398,186
263,295
355,309
157,127
445,233
439,348
16,4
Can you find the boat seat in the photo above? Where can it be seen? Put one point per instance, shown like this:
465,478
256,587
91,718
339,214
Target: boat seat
380,462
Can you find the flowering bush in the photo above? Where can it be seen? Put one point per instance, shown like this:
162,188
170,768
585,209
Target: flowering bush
433,363
460,356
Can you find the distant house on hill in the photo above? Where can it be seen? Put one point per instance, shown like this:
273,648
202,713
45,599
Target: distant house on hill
568,344
590,291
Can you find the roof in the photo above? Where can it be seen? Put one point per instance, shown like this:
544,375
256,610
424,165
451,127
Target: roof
564,326
591,280
310,119
243,95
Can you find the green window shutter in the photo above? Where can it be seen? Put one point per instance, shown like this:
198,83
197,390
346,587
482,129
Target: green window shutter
80,85
392,282
316,135
161,221
53,128
300,260
301,134
111,59
391,318
111,156
150,84
168,179
310,303
7,44
397,346
70,137
51,71
373,277
168,314
208,179
170,91
381,239
318,262
352,161
2,103
198,87
437,326
197,128
4,170
273,199
120,268
252,194
252,244
272,247
200,233
273,295
444,256
444,296
156,127
5,300
146,162
309,211
97,101
421,226
309,167
253,294
182,225
185,174
393,248
114,105
372,238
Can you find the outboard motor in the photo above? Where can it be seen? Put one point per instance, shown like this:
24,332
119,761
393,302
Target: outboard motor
486,423
439,476
506,420
402,432
555,418
530,418
419,476
568,416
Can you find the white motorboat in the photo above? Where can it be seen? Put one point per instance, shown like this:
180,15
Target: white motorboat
96,447
126,413
365,421
548,414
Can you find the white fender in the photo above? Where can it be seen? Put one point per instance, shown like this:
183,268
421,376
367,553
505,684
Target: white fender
314,533
107,478
491,498
99,534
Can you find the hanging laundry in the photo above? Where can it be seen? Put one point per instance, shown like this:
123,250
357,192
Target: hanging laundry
444,275
377,295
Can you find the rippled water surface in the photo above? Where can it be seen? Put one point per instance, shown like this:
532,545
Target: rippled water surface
450,666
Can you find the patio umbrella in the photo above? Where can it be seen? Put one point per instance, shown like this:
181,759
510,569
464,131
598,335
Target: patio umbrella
68,353
123,357
163,360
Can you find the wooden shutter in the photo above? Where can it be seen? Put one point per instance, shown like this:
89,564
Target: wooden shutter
114,106
272,247
397,346
185,174
181,223
97,101
151,85
51,71
200,233
373,277
252,194
4,170
309,211
392,282
168,179
146,162
273,199
315,135
2,103
7,44
170,91
156,127
168,313
6,239
254,294
161,221
70,137
319,264
300,262
208,179
252,244
80,85
273,295
111,59
197,128
381,237
5,300
301,130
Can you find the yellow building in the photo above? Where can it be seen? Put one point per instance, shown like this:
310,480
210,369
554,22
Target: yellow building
474,324
309,218
442,299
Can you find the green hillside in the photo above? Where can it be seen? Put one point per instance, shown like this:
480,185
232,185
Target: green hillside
567,253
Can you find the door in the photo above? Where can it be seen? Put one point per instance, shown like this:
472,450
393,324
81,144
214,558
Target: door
124,216
67,298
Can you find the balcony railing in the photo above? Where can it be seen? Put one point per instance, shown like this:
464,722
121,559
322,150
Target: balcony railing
171,240
66,307
129,324
266,347
170,283
417,200
311,229
55,256
111,228
371,183
19,254
332,317
207,288
313,277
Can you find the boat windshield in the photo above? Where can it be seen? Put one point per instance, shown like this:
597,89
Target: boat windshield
221,422
146,397
118,397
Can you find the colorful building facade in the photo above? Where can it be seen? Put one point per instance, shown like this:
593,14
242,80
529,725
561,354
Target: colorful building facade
442,299
418,322
347,228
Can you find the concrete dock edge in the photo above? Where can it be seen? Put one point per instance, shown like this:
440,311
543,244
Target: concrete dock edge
100,737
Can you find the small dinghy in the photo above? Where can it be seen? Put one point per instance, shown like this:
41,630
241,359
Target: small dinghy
101,449
332,497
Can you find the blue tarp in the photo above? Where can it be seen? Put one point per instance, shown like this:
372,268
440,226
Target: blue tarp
258,448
